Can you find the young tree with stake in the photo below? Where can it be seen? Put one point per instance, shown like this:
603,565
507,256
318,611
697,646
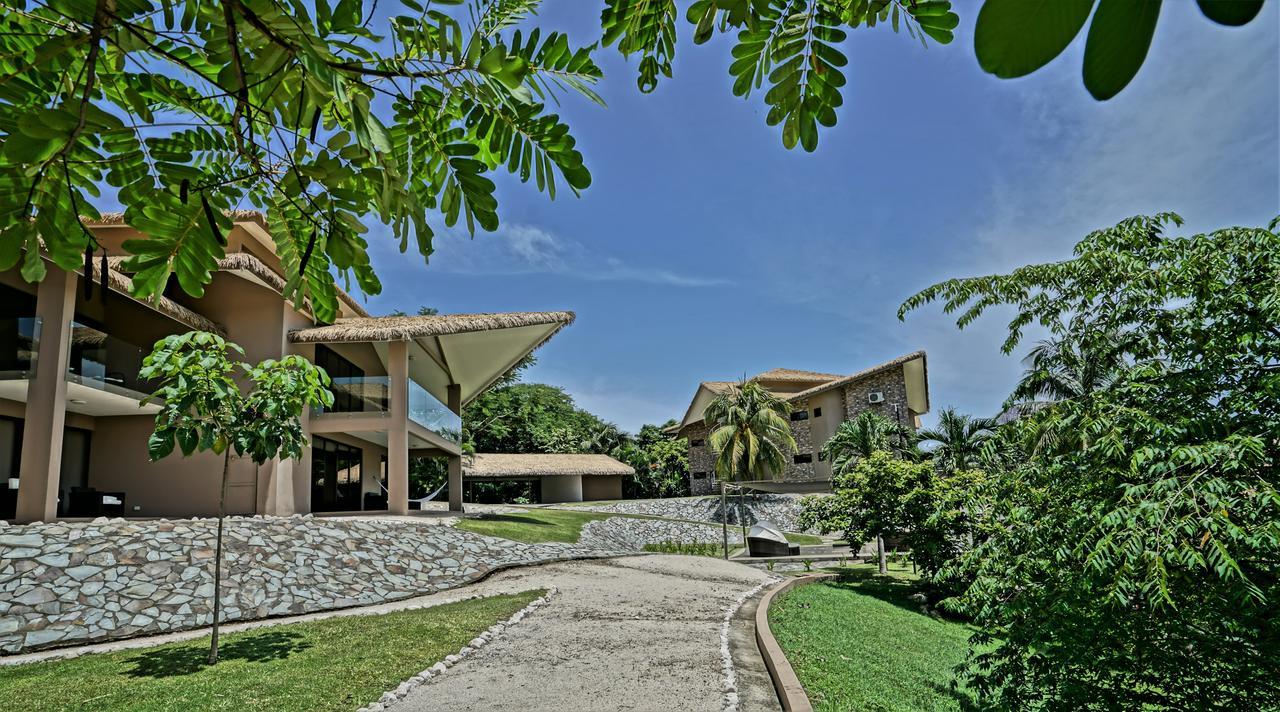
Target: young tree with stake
203,409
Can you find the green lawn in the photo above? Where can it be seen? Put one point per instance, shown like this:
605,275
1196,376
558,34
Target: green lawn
335,664
803,539
533,526
859,643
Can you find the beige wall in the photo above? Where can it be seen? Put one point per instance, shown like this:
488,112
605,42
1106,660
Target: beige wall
562,488
601,487
822,427
175,486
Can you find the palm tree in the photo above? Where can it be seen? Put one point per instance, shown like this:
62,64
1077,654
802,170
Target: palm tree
1062,369
751,436
865,434
960,439
750,432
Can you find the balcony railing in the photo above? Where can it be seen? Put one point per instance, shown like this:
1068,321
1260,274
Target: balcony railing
105,362
427,410
372,394
19,344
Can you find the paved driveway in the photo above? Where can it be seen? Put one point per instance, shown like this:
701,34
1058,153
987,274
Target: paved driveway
633,633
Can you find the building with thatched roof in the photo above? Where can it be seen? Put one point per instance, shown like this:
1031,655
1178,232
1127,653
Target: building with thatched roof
561,477
897,389
73,433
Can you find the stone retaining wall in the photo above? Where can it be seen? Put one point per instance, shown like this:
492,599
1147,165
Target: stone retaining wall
781,509
632,534
63,583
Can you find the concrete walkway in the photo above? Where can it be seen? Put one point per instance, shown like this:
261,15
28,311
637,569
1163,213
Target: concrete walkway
632,633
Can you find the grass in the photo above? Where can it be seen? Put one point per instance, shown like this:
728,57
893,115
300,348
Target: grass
533,526
803,539
335,664
701,548
859,643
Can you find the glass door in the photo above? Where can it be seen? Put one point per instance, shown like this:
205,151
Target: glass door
335,476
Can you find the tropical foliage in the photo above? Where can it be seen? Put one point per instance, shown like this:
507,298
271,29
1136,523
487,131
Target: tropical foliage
750,432
1130,559
865,434
957,439
535,417
870,500
661,462
202,409
326,115
1014,38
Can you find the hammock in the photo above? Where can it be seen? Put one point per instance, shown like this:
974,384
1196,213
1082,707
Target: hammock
420,500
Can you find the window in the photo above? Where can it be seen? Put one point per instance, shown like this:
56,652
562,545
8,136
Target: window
803,459
699,475
698,443
817,412
799,415
346,392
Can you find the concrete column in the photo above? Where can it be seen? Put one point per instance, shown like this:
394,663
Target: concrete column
47,400
398,430
455,463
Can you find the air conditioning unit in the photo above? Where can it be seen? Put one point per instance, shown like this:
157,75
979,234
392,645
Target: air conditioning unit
875,397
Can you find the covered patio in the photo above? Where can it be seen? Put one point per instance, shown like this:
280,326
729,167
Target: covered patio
400,383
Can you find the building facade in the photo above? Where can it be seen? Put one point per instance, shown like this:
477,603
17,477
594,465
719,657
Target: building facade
820,402
73,428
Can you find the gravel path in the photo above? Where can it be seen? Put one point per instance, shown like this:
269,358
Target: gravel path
633,633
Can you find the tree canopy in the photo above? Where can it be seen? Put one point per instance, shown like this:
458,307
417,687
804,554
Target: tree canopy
1130,548
329,115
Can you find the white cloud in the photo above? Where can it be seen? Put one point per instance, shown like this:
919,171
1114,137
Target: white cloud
528,249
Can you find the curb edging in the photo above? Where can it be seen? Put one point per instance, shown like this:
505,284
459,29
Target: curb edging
790,692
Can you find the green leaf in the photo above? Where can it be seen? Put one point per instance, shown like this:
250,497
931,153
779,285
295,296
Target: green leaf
1014,38
1117,44
1230,12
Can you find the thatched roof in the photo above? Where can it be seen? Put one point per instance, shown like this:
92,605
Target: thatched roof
246,262
491,465
121,283
792,375
114,219
846,380
405,328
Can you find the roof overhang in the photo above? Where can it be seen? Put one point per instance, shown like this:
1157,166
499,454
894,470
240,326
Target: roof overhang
469,350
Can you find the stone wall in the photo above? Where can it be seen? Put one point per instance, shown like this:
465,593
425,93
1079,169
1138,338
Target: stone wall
64,583
702,461
893,384
781,509
628,534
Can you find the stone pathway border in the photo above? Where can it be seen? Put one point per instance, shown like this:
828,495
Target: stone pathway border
391,697
790,692
726,655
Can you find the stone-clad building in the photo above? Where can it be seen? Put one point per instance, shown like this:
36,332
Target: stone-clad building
897,389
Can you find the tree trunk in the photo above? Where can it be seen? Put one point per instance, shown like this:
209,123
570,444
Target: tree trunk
724,519
742,516
884,568
217,560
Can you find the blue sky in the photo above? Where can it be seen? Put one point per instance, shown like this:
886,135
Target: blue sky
704,251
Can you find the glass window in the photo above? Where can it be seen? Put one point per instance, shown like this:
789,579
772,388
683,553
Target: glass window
698,443
817,412
345,400
799,415
802,459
